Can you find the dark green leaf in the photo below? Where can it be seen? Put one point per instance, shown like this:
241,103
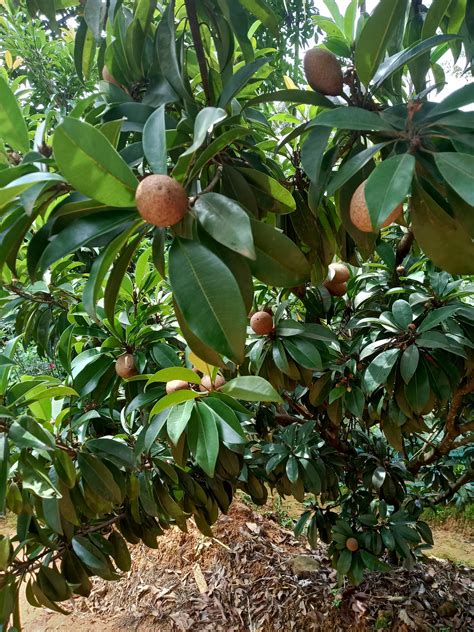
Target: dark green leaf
387,186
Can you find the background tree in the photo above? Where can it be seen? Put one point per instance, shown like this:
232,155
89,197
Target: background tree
352,387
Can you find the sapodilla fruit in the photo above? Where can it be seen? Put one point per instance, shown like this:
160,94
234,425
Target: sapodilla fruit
125,366
208,385
341,273
323,71
262,323
107,76
176,385
352,544
359,213
335,289
161,200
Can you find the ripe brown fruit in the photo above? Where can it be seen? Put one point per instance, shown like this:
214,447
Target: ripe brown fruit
207,385
335,289
176,385
161,200
323,71
341,273
125,366
262,323
107,76
352,544
359,213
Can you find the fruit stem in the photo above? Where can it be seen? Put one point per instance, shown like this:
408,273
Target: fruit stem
196,35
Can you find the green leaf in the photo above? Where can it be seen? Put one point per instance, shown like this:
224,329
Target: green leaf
13,128
251,388
409,362
387,186
303,352
98,477
227,222
398,60
344,562
443,238
350,167
279,261
379,369
457,99
352,118
263,12
230,430
172,400
402,313
239,80
174,373
203,438
458,171
90,163
282,199
308,97
208,297
417,391
205,122
27,432
100,268
376,35
218,144
312,152
355,401
178,420
113,450
437,316
292,469
4,360
89,554
166,53
154,141
114,281
4,469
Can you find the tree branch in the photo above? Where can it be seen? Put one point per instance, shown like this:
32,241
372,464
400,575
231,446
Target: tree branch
467,477
196,35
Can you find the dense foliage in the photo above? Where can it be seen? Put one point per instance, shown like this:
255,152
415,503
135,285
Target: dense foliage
159,401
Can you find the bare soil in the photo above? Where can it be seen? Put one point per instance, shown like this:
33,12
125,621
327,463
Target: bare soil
256,577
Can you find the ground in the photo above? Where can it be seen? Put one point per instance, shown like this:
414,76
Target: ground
256,577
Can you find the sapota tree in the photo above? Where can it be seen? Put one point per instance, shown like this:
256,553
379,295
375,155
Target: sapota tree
165,237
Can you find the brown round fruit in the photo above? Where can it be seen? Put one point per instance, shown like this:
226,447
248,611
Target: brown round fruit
176,385
335,289
341,273
107,76
262,323
359,213
352,544
207,385
161,200
125,366
323,71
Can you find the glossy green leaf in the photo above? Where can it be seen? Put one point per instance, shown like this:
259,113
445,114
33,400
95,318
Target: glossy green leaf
283,201
409,362
458,171
387,186
174,373
376,35
208,298
443,238
263,12
239,80
308,97
13,128
227,222
98,477
203,438
251,388
177,420
279,261
352,118
379,369
402,313
205,122
168,401
90,163
154,141
350,167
